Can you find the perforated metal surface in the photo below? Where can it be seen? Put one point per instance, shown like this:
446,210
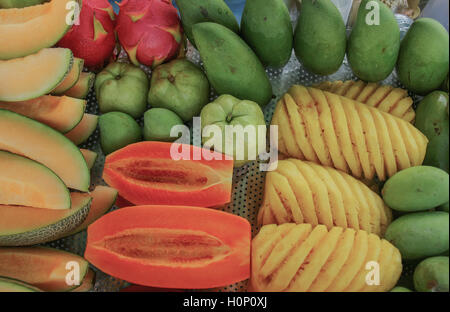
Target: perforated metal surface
248,181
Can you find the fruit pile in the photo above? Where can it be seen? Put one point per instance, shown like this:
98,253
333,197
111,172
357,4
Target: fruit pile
362,177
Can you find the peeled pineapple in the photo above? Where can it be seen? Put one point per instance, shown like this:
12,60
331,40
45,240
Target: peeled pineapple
338,132
394,101
304,192
298,258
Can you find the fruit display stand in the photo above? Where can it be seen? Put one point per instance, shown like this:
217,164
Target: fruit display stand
248,180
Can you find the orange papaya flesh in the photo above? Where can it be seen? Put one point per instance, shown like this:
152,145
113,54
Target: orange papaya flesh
145,174
171,246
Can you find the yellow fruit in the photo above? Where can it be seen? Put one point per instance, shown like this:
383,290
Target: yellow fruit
304,192
301,257
338,132
388,99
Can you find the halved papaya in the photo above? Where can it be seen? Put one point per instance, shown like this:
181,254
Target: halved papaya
25,226
103,198
88,282
89,156
60,113
32,139
42,267
171,246
83,130
71,78
13,285
26,182
27,30
81,89
145,174
34,75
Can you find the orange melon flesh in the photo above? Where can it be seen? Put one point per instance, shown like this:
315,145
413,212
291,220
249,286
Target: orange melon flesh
27,30
83,130
42,267
32,139
33,75
89,156
71,78
28,183
60,113
81,89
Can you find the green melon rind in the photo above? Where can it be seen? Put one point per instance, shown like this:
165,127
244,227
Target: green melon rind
75,150
18,285
83,90
49,88
49,232
76,62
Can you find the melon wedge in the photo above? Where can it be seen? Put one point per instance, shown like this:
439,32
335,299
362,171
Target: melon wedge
89,156
32,139
71,78
83,130
26,182
27,30
84,84
25,226
42,267
12,285
60,113
88,282
34,75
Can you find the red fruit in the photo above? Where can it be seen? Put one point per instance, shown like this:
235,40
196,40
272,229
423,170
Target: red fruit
93,39
149,31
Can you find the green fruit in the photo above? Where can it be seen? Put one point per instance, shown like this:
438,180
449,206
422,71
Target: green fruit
400,289
8,4
13,285
320,37
416,189
266,27
431,114
437,154
373,48
118,130
445,85
123,88
424,58
231,66
432,274
227,110
199,11
420,235
158,123
181,87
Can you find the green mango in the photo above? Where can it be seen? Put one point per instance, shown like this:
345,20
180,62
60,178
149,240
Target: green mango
320,37
118,130
424,58
8,4
199,11
420,235
158,123
400,289
432,275
181,87
266,27
437,154
445,85
231,65
416,189
373,48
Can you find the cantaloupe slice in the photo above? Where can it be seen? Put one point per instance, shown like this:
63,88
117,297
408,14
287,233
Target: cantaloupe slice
27,30
71,78
26,182
25,226
84,84
32,139
88,282
89,156
83,130
13,285
42,267
34,75
60,113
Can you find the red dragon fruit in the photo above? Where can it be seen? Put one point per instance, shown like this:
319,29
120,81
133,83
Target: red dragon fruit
149,31
93,39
